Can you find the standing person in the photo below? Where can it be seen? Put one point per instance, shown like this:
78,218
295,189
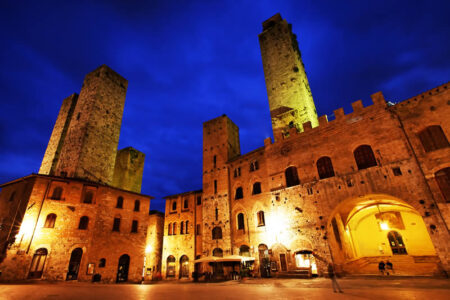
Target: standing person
389,267
334,283
381,267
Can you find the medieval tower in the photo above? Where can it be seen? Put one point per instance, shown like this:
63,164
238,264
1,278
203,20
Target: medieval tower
290,99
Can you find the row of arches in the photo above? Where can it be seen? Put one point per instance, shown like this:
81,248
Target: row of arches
39,261
171,266
172,228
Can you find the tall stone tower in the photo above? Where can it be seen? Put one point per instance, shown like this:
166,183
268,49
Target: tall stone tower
220,144
86,145
290,99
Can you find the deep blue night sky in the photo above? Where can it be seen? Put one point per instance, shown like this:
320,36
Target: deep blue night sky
191,61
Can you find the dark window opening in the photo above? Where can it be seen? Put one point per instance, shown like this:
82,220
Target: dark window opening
84,221
215,186
254,166
237,172
102,263
199,200
57,193
174,205
256,188
174,228
88,197
137,205
215,161
239,194
433,138
217,214
116,224
217,233
364,157
134,226
261,220
182,227
291,177
325,167
240,221
50,221
217,252
119,203
396,243
169,229
397,171
336,232
185,204
443,181
12,196
198,230
187,227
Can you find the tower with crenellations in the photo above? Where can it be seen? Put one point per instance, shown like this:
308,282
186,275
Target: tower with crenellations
290,99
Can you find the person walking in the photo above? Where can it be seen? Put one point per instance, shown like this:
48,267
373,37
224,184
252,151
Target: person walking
334,283
389,267
381,267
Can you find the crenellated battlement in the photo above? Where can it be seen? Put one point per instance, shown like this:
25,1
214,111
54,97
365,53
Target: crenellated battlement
433,92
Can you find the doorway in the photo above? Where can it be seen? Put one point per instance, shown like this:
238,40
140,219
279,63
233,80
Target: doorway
74,264
184,267
283,262
38,263
122,269
264,261
396,243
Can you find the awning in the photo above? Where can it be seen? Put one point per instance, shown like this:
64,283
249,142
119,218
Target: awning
229,258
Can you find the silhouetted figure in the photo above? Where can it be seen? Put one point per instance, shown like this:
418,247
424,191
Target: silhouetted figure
381,267
334,283
389,267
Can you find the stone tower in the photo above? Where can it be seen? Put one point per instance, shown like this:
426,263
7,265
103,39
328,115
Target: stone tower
290,99
86,145
220,144
128,169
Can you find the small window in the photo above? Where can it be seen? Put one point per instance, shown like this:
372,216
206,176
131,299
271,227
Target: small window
57,193
215,161
217,233
364,157
187,227
137,205
116,224
182,227
102,263
215,186
433,138
325,167
261,220
88,197
240,221
237,172
443,180
134,226
239,194
50,221
217,214
119,203
397,171
291,176
174,228
254,166
12,196
185,204
256,188
169,229
84,221
174,205
198,230
199,200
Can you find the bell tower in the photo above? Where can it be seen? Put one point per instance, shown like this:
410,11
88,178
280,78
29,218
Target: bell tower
290,99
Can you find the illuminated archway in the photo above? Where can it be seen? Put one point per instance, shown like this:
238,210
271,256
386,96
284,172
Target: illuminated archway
377,226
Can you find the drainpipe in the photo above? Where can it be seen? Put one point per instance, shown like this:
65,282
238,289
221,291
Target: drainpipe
39,214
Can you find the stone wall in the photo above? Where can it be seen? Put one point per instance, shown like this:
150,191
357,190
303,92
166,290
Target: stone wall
154,243
128,169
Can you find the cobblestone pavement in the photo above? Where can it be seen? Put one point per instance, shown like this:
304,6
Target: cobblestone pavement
320,288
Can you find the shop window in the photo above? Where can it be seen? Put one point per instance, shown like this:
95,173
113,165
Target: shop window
325,167
433,138
291,176
137,205
256,188
116,224
217,233
119,203
364,157
134,226
261,220
170,272
239,194
50,221
57,193
240,221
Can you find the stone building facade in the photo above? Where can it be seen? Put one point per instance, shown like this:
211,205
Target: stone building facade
370,185
82,217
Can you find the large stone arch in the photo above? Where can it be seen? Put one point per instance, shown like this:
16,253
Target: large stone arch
358,231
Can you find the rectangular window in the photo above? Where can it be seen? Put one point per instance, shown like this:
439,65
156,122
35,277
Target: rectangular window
254,166
199,200
215,186
215,161
237,172
397,171
116,224
197,230
134,226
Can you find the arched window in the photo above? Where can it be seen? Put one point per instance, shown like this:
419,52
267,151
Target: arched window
119,203
187,227
240,221
364,157
170,266
443,181
325,167
174,205
174,228
88,196
239,194
433,138
185,204
137,205
256,188
291,176
84,221
217,233
102,263
182,227
169,229
38,263
57,193
244,250
50,221
396,243
134,226
116,224
261,220
217,252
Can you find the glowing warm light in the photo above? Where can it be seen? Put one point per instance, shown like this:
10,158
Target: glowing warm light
148,249
26,228
278,231
384,226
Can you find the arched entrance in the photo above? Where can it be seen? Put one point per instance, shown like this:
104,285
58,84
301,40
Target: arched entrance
369,229
38,263
184,267
264,260
218,266
170,266
74,264
122,269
